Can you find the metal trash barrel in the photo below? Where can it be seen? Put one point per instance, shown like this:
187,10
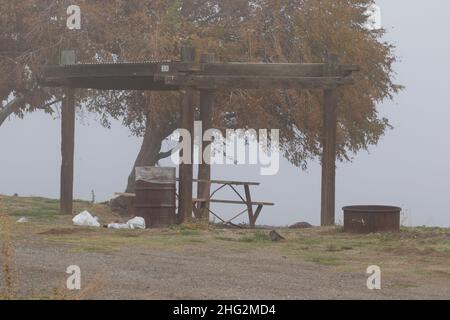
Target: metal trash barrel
156,196
371,219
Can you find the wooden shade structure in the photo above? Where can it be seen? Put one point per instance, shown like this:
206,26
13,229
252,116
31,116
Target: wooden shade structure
206,76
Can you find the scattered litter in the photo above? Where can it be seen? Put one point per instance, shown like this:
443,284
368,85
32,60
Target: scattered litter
135,223
85,219
22,220
118,226
275,236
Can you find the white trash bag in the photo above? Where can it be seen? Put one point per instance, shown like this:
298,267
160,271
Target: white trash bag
118,226
85,219
136,223
22,220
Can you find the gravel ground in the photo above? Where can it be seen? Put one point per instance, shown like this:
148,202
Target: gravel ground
201,272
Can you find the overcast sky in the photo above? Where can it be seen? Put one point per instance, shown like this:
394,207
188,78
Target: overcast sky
410,167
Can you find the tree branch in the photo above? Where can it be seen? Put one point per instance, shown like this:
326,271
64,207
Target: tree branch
165,154
14,106
50,104
10,108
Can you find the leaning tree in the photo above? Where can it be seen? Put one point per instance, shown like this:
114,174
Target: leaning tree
25,39
32,34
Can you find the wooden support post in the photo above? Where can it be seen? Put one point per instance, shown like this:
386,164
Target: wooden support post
204,169
67,151
187,122
329,148
248,199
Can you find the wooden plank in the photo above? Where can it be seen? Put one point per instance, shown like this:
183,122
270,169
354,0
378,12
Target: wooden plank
346,70
161,69
236,183
111,83
255,82
101,70
236,216
264,69
155,174
255,216
162,76
329,151
125,69
187,122
126,76
233,202
67,152
248,199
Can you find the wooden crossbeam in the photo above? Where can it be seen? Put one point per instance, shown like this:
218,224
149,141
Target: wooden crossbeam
305,70
161,76
144,69
233,202
161,69
255,82
236,183
264,69
100,70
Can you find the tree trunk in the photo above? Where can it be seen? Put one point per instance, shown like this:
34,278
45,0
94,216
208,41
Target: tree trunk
149,155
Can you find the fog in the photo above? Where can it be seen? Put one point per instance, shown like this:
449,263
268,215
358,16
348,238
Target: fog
408,168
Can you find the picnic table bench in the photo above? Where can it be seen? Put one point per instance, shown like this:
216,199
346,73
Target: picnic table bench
202,204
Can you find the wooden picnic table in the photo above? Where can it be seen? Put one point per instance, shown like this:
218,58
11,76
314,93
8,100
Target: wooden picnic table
201,204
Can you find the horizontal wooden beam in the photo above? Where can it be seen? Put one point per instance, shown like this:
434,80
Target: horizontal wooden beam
162,75
173,68
143,69
234,202
253,82
111,83
100,70
346,70
273,69
236,183
264,69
